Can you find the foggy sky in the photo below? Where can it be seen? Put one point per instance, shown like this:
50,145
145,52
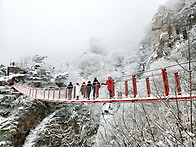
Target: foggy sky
61,29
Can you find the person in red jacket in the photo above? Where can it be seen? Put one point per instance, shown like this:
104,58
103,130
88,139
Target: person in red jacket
110,83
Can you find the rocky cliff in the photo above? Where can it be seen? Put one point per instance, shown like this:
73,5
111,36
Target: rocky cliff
171,28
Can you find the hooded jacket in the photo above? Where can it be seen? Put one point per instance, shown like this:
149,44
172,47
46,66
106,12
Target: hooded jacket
109,83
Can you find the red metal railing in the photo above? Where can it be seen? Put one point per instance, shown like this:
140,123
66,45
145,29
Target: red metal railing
55,94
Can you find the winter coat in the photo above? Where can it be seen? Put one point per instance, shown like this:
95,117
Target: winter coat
70,86
77,90
94,84
88,87
109,83
82,88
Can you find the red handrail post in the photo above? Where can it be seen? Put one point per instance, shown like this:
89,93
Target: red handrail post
126,89
33,93
44,93
165,82
177,83
74,94
59,93
112,86
134,86
36,93
48,93
148,87
30,92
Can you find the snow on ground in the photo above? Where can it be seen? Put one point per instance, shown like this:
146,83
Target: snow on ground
6,78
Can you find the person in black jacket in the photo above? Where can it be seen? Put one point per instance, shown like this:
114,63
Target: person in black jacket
70,88
82,89
96,86
88,89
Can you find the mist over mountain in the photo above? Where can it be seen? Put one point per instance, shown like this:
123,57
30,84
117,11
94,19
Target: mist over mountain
27,122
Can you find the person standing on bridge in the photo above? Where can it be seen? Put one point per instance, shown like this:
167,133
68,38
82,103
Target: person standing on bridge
77,91
70,88
82,89
88,89
110,84
96,86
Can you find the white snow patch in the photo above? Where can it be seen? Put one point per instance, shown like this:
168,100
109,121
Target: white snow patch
164,36
6,78
21,108
2,142
62,74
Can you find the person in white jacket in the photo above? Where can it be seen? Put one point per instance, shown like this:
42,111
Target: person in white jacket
77,91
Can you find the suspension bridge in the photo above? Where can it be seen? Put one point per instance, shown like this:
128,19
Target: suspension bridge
154,85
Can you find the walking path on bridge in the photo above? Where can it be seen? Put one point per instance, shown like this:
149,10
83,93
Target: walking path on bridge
159,86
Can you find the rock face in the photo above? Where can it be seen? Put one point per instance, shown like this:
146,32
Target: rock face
65,129
175,22
2,70
20,117
10,74
29,119
61,79
170,26
15,70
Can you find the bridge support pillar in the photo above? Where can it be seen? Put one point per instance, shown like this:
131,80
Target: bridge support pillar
165,82
65,93
112,84
126,89
148,87
44,93
48,93
74,94
177,83
53,94
59,93
134,86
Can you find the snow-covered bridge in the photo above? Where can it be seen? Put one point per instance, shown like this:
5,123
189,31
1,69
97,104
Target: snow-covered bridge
154,85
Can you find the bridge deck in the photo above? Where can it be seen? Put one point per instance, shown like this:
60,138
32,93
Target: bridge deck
161,86
113,100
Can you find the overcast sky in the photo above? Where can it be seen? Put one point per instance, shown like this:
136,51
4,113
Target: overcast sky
61,29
